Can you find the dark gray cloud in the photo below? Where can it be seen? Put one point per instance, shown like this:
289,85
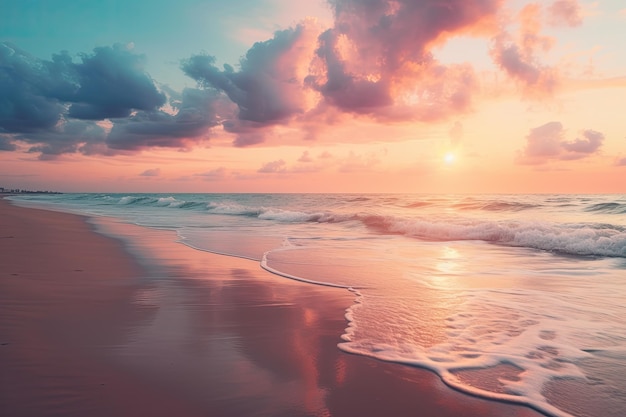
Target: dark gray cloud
53,105
112,83
27,102
66,137
195,114
6,144
108,83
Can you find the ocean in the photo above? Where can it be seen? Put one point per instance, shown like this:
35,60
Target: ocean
516,298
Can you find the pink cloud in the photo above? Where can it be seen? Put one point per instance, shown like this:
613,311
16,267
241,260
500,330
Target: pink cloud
518,55
306,157
377,58
377,61
546,143
273,167
565,12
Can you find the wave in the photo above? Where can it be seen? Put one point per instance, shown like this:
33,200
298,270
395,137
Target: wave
579,239
494,206
419,204
144,200
603,240
609,208
133,199
278,215
571,239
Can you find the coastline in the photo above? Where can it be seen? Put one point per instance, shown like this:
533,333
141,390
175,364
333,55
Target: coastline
86,329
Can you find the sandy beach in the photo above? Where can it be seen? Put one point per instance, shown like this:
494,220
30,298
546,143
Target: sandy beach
91,325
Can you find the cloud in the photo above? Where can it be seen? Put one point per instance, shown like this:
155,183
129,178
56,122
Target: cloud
306,157
214,174
591,143
620,162
155,172
54,105
6,144
376,61
273,167
517,55
27,102
268,89
65,137
546,142
377,58
565,12
197,112
109,83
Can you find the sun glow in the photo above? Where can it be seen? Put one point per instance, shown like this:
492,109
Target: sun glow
449,158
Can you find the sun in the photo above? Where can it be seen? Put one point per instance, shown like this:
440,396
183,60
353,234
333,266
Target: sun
449,158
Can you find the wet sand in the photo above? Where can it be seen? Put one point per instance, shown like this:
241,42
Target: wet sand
88,329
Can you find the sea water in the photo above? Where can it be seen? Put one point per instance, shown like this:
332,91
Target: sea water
517,298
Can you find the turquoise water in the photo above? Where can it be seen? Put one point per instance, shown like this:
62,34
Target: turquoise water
513,297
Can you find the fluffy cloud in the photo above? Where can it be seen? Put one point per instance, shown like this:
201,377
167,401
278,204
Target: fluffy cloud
375,61
54,106
38,93
195,114
546,142
109,83
268,89
377,58
590,143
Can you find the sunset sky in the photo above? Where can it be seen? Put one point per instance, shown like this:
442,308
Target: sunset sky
450,96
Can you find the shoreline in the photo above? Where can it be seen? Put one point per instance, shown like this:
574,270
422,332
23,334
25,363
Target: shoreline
86,329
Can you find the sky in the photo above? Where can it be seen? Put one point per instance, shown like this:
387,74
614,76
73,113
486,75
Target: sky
401,96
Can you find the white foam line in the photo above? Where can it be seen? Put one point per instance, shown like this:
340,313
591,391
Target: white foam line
451,380
181,240
268,268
